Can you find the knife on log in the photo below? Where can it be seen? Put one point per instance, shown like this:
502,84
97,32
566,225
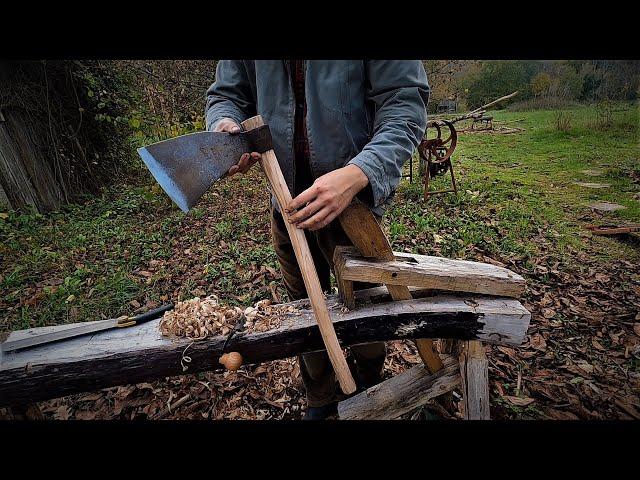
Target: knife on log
83,329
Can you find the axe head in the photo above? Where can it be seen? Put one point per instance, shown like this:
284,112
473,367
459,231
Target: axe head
186,166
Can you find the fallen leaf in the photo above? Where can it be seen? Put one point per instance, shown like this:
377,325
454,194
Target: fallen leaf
597,345
85,415
548,313
519,401
538,342
62,413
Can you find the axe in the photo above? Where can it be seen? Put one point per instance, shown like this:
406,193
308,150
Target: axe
186,166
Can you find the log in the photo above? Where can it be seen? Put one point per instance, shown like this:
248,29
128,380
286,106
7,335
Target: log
483,108
140,353
271,168
429,272
401,394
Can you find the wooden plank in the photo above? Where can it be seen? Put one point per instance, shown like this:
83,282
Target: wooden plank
401,394
366,234
271,167
431,272
474,370
138,354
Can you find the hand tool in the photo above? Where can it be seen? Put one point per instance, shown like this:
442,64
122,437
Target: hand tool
84,329
186,166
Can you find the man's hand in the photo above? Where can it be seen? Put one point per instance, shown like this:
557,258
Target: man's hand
329,195
246,159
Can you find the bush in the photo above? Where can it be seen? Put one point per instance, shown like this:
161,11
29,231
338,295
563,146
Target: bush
563,121
603,116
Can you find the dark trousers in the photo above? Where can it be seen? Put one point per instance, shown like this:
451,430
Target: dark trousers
316,370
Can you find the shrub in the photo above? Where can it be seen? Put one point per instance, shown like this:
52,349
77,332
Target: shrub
563,121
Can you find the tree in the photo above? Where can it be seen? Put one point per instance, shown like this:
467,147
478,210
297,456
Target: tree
497,78
540,84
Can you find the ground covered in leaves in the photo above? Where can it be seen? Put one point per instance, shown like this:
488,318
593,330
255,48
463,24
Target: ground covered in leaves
519,206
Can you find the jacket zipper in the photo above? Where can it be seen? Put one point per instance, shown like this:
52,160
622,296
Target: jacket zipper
287,67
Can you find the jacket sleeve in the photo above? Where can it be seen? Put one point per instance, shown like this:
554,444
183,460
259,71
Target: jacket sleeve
399,92
230,96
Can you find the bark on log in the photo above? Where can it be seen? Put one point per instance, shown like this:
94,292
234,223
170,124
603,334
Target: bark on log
137,354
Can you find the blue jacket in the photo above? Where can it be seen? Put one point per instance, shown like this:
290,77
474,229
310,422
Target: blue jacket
371,113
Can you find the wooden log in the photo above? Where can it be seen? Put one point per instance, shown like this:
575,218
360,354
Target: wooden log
483,108
474,370
401,394
366,234
430,272
140,354
271,167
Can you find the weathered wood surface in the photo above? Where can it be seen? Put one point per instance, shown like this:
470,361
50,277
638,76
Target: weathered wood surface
367,236
401,394
271,168
430,272
474,370
25,175
137,354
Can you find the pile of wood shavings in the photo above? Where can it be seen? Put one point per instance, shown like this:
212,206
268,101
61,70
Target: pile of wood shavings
200,318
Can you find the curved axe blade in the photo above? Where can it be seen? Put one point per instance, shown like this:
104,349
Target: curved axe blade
186,166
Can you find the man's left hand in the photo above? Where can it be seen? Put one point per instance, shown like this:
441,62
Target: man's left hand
329,195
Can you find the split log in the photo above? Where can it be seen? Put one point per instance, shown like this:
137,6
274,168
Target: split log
429,272
140,353
401,394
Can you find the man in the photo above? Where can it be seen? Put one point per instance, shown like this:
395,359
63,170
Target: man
340,129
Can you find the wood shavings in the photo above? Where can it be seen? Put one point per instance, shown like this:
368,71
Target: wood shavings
265,316
198,318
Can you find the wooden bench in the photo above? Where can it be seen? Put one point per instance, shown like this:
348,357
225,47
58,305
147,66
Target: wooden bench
486,121
464,361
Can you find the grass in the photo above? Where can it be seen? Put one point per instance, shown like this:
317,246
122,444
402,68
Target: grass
517,197
514,187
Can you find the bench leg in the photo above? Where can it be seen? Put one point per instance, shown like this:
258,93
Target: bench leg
474,372
345,289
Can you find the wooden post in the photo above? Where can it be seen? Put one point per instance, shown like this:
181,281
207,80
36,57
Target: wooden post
474,371
366,234
271,168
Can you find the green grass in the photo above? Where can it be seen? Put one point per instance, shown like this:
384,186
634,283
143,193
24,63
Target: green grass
518,188
517,199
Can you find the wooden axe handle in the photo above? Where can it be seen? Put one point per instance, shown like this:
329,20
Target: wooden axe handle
271,168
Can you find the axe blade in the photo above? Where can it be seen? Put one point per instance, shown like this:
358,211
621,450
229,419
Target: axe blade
187,166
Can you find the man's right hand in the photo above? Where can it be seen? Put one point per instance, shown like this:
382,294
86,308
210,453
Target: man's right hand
246,159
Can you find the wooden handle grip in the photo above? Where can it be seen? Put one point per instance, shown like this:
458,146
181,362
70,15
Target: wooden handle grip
271,168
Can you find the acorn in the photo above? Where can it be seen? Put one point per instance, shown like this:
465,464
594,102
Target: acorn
231,361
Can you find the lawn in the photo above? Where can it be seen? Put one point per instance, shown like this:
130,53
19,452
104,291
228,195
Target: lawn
131,249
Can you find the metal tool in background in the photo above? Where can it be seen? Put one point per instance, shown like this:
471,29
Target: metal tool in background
436,153
84,329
